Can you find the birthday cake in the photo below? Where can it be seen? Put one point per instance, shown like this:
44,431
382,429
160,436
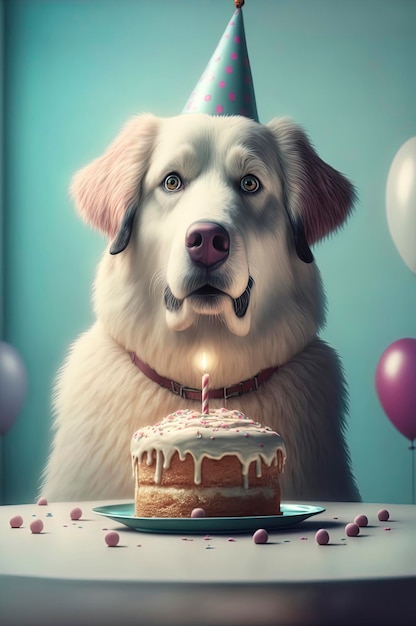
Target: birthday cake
221,462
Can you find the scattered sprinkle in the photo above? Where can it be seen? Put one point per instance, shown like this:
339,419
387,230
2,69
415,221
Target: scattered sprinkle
36,526
112,538
16,521
198,512
76,513
361,520
388,528
261,536
230,539
207,538
383,515
209,547
322,537
186,539
49,515
352,529
42,502
304,539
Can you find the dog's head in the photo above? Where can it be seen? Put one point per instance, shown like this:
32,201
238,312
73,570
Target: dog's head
215,217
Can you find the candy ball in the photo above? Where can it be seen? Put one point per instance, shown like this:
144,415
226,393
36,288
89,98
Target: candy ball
198,512
322,537
361,520
352,529
76,513
16,521
112,538
36,526
383,515
260,536
42,502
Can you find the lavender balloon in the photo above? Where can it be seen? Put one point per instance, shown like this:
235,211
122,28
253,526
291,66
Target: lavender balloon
13,385
396,385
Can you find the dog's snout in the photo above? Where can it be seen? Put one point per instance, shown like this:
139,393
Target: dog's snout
207,243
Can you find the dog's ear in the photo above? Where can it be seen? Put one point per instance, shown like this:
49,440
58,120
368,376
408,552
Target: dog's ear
318,198
106,192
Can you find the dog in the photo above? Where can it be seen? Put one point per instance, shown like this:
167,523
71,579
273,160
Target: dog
209,222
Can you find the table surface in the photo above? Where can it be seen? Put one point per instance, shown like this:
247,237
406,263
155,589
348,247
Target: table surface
290,579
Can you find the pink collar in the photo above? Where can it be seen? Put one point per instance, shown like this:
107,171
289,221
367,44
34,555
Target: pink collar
252,384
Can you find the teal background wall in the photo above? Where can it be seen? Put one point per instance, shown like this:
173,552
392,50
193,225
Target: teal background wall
76,70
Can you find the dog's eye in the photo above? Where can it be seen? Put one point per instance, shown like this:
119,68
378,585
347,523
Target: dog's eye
172,182
250,184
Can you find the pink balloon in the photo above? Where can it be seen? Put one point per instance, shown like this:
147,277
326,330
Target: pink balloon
396,385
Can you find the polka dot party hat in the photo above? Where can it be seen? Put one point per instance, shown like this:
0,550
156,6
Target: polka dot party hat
226,85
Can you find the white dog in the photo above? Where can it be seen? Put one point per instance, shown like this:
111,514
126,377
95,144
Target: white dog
209,221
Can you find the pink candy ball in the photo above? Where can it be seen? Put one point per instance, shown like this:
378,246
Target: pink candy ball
36,526
76,513
361,520
352,529
322,537
112,538
198,512
42,502
261,536
383,515
16,521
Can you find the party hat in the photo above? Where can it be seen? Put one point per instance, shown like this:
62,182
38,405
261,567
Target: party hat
226,85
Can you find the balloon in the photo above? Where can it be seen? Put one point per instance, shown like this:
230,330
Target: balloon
396,385
401,202
13,385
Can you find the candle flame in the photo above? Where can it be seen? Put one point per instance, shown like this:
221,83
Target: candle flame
204,362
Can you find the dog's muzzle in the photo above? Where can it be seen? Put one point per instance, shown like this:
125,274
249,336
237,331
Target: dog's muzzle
208,247
206,292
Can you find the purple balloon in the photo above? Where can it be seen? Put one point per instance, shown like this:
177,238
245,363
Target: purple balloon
396,385
13,385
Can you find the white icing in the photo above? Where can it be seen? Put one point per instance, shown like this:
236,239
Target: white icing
214,436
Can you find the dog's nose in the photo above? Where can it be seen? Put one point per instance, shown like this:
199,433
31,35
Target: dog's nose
207,242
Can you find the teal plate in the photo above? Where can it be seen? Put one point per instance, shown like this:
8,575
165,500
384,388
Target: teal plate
292,514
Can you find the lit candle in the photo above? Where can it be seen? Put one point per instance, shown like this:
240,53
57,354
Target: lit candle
205,387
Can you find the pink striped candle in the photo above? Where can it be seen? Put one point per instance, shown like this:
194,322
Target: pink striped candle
205,389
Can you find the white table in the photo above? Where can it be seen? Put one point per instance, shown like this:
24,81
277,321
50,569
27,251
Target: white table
67,575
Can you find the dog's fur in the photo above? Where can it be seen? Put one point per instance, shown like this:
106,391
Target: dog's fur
145,300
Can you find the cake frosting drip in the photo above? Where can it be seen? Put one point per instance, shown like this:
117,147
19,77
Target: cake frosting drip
215,435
